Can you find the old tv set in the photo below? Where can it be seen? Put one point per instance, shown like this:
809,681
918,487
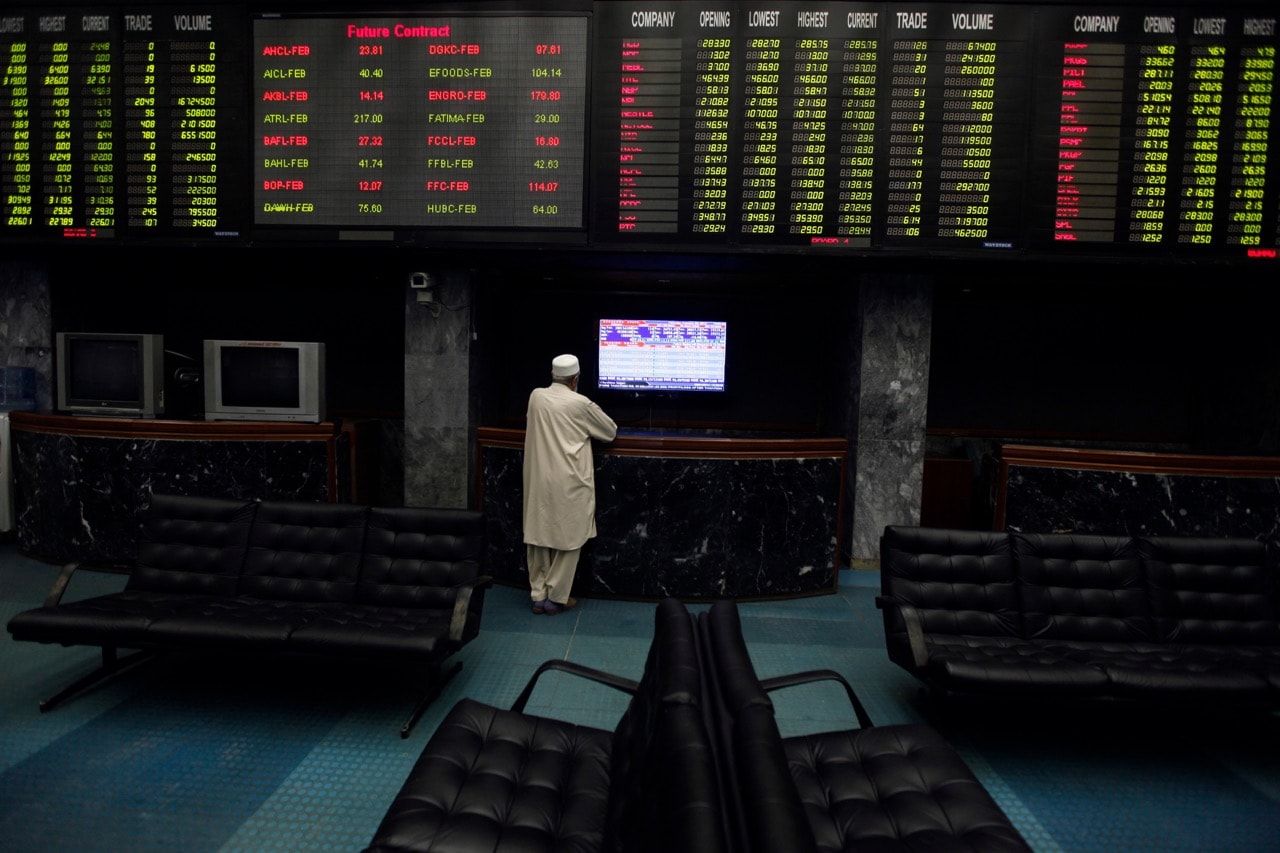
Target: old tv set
114,374
264,381
662,355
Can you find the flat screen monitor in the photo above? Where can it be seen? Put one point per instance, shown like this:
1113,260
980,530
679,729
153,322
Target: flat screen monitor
264,381
110,373
662,355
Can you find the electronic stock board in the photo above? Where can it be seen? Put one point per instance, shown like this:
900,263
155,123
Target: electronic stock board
116,123
874,128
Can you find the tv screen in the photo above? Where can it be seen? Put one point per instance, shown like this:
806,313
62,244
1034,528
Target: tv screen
662,355
264,380
107,373
259,376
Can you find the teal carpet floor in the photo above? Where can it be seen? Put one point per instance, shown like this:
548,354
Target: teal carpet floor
203,753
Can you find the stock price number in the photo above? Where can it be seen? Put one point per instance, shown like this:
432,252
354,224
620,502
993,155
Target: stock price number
546,164
543,186
546,209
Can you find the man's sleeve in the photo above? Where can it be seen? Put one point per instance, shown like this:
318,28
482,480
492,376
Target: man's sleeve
599,425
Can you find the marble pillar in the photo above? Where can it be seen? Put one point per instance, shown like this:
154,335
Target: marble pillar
888,405
439,412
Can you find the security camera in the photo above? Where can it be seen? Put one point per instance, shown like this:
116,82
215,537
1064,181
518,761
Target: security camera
424,284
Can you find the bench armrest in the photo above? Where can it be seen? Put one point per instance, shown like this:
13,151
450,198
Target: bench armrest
462,605
617,682
911,622
60,583
808,677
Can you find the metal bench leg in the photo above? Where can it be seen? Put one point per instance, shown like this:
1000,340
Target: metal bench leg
435,684
111,666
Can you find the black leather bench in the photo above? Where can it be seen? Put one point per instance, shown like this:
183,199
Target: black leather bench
869,787
695,764
395,583
1061,616
497,779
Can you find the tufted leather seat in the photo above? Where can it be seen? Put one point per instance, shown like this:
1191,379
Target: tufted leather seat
399,583
695,765
500,780
1083,616
896,787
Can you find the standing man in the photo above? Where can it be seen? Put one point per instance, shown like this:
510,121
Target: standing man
559,483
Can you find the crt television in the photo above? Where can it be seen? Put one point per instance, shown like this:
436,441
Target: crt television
662,355
264,381
110,373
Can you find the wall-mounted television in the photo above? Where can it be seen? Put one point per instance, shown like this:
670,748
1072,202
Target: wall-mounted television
264,381
110,373
661,355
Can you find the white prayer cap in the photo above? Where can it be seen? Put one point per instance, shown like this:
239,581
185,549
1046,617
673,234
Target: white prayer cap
564,365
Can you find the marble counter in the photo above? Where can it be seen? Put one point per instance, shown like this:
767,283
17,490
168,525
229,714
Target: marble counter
1055,489
81,484
696,518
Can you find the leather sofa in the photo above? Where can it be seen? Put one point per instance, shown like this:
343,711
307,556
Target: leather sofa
1062,616
869,787
497,779
396,584
697,763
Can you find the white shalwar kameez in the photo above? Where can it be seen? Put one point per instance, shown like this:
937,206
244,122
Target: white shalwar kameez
559,485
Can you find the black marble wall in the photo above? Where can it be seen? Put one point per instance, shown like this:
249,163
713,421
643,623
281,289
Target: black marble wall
26,337
687,527
81,498
1046,500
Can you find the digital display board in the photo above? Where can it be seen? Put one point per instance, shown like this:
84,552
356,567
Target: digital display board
870,128
122,123
412,122
937,127
1156,130
802,124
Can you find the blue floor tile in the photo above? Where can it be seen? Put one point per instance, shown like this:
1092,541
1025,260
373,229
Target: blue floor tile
213,756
